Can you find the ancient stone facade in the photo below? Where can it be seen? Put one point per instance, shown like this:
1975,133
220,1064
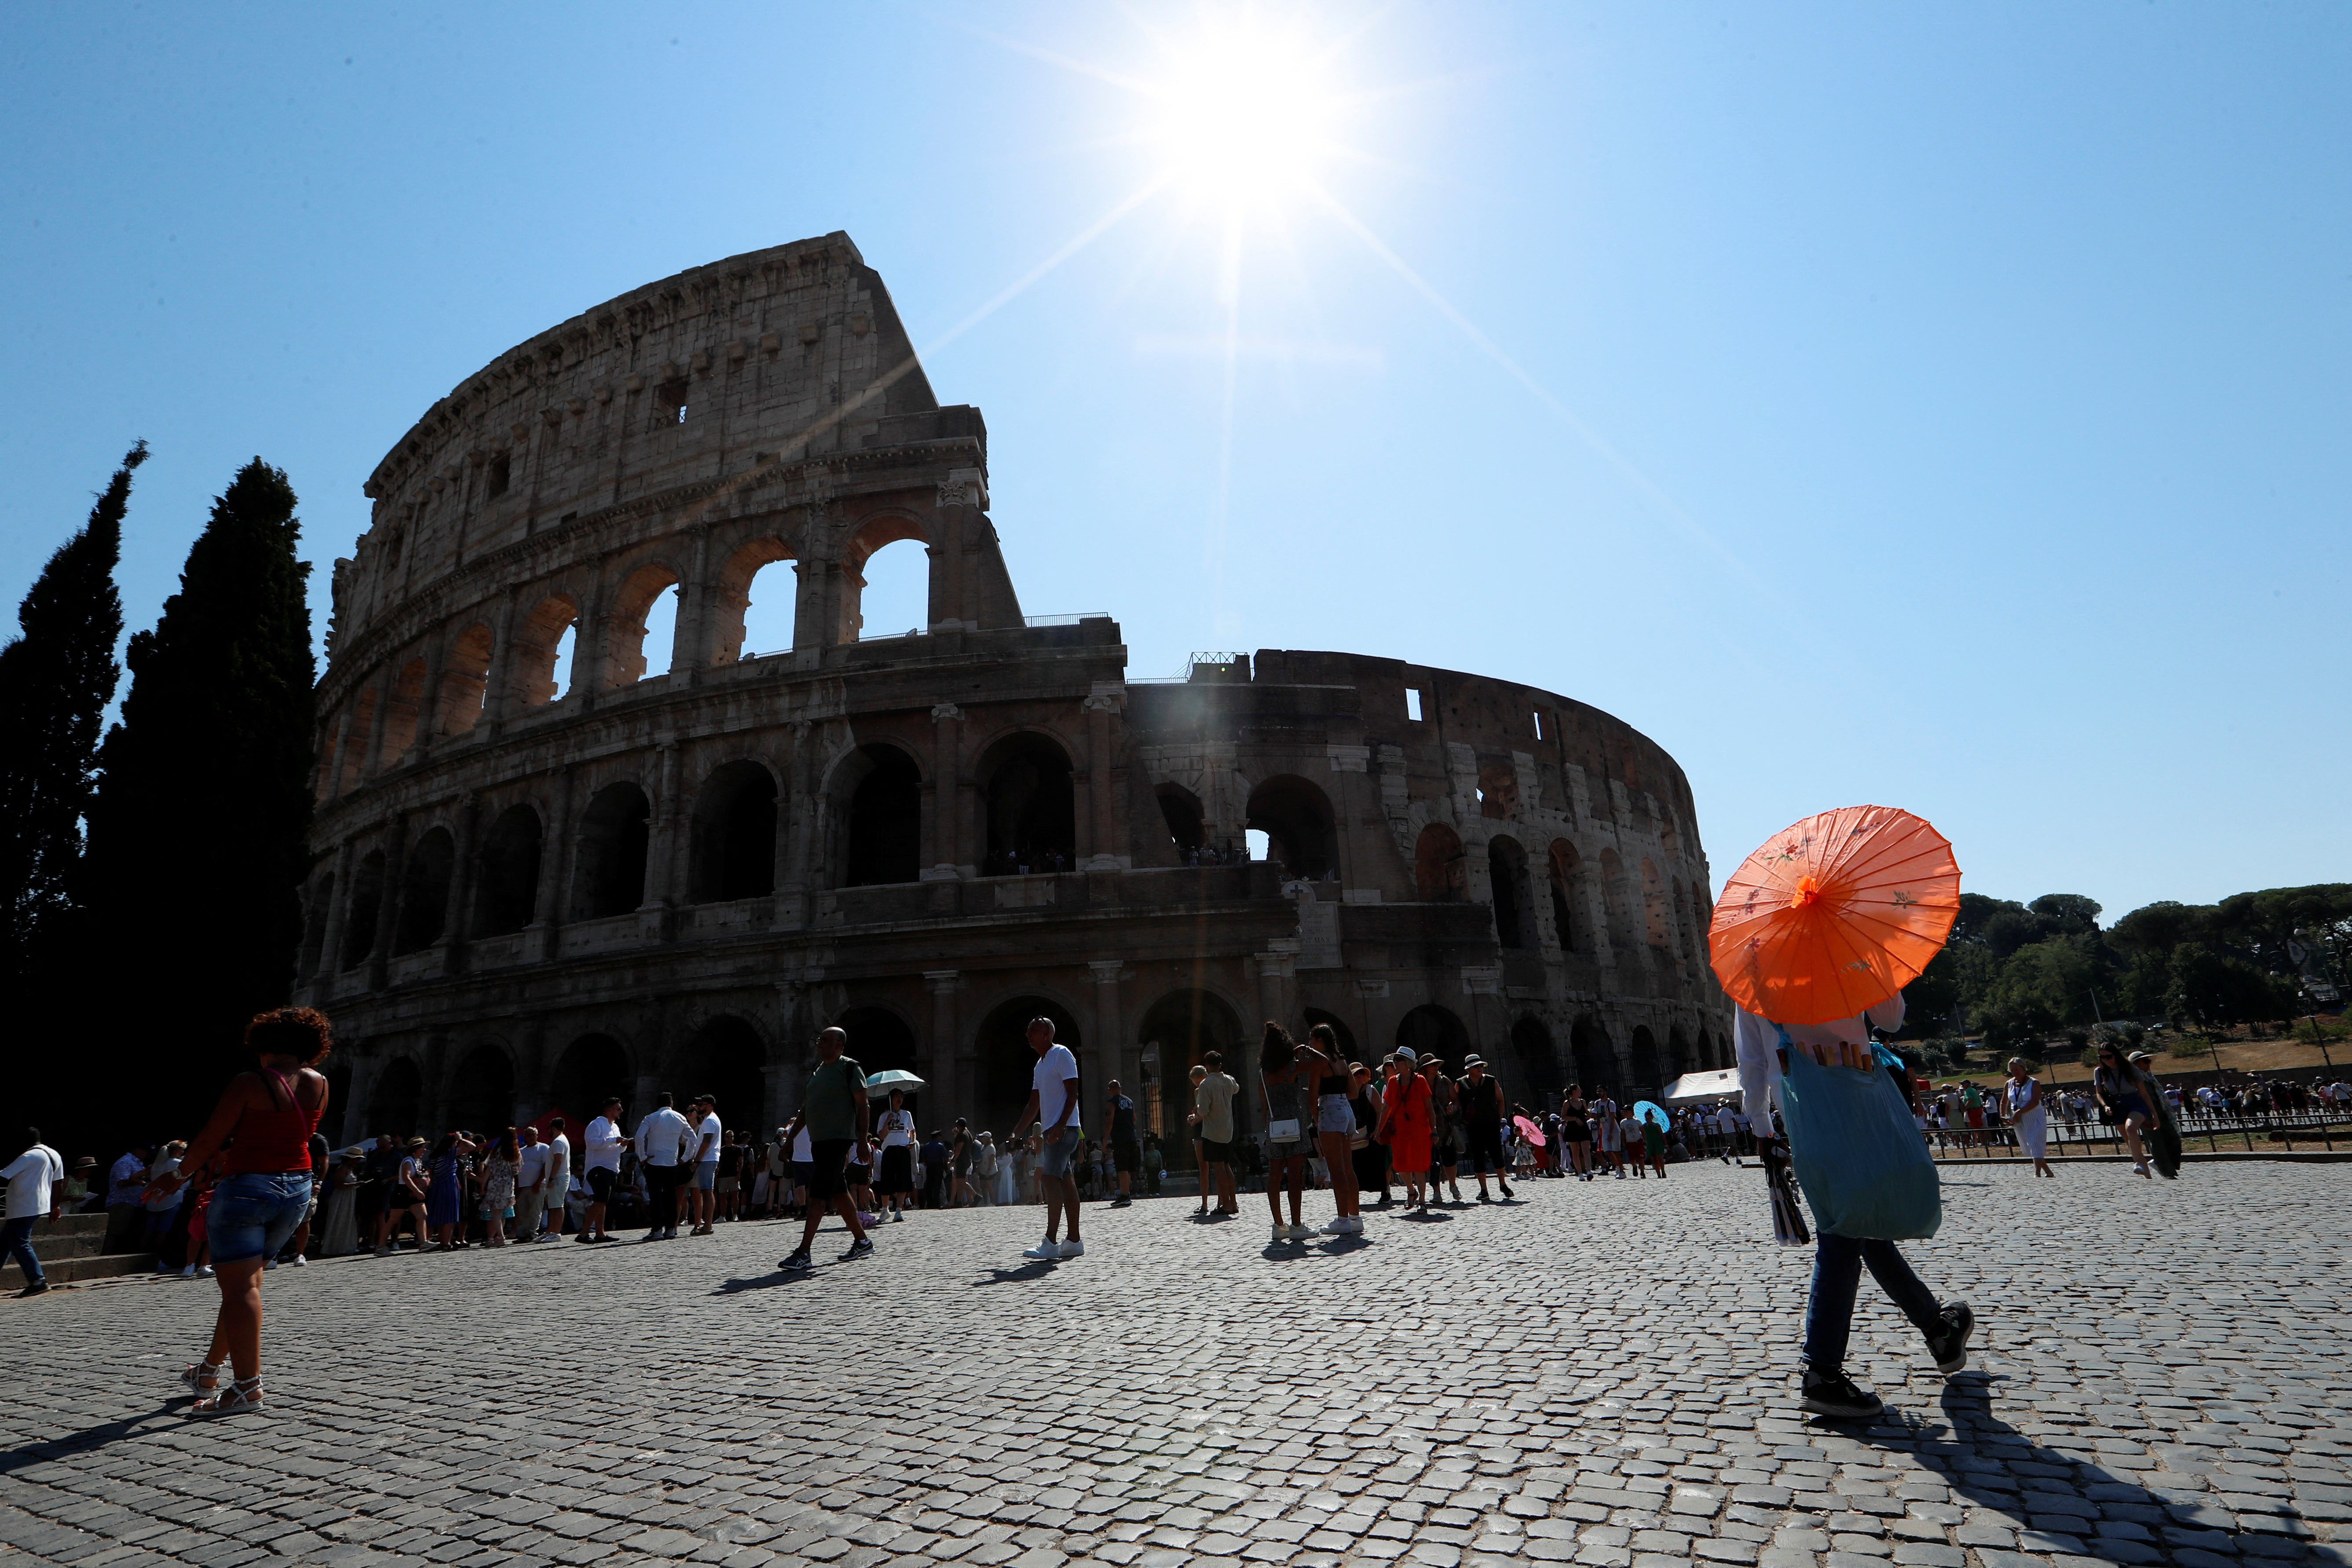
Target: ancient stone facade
524,897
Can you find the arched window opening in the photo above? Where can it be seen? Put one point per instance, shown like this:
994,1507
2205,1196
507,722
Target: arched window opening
1257,844
400,714
399,1095
627,641
1678,1055
1339,1027
882,1040
1008,1067
355,746
1180,809
465,676
482,1091
889,595
506,895
543,648
886,818
1177,1032
734,853
1594,1057
1657,915
1614,897
1431,1030
1566,873
1032,813
592,1067
1296,819
1439,875
1642,1067
753,603
425,891
360,917
1507,868
726,1060
611,875
1531,1043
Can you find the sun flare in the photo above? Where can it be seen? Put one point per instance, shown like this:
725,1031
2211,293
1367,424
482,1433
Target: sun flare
1243,114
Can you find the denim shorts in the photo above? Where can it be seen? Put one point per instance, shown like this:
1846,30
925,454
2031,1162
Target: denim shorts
1059,1148
251,1215
706,1176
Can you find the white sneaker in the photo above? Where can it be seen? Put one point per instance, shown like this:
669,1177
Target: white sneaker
298,1262
1045,1249
1338,1225
1074,1249
1282,1233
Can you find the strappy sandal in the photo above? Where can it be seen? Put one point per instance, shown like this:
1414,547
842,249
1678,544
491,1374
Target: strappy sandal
203,1377
243,1393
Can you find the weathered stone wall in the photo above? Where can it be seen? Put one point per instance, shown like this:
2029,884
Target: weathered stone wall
525,897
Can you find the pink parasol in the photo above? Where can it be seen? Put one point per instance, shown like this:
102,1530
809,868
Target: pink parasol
1528,1130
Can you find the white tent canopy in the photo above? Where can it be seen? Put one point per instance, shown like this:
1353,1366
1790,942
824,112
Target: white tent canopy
1721,1083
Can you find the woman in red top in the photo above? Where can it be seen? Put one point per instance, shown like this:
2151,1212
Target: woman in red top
1405,1126
261,1130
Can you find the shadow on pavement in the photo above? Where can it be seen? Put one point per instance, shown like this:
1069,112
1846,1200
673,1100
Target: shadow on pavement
45,1449
1023,1275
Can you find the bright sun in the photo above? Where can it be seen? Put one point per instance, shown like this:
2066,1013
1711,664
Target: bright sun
1243,112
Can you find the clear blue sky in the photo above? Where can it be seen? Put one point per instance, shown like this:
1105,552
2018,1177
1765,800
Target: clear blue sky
1936,405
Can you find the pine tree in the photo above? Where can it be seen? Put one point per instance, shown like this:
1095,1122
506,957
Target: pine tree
204,800
56,681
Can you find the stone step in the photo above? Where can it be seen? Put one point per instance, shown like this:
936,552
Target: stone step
74,1270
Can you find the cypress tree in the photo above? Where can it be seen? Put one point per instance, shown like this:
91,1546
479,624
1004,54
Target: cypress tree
55,679
204,799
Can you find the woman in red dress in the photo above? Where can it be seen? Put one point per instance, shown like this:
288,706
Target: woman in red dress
1405,1126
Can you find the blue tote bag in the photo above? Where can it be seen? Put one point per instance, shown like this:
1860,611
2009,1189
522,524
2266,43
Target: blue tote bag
1864,1169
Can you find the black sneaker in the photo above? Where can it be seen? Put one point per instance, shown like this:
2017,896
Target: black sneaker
1837,1394
862,1248
1949,1344
798,1263
1507,1192
37,1288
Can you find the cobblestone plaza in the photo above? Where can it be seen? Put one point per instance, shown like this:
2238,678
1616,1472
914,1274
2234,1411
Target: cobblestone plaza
1601,1374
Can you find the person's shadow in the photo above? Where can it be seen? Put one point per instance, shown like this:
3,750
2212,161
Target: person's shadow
1021,1275
2060,1503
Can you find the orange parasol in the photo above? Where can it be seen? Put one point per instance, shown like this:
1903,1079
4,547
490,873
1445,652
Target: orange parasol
1834,914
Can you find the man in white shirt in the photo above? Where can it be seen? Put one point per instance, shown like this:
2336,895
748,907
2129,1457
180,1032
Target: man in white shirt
709,1136
664,1143
530,1184
1053,1106
603,1168
556,1189
33,1179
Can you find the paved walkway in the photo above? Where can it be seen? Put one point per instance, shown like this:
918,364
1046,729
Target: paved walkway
1599,1376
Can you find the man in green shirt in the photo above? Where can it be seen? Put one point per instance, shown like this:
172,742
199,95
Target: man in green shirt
834,1114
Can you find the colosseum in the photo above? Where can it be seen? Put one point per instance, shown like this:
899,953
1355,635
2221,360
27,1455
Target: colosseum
525,896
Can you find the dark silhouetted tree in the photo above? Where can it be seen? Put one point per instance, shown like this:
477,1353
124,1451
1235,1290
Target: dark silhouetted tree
196,833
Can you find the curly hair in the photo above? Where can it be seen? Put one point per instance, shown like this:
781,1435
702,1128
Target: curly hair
303,1033
1276,1050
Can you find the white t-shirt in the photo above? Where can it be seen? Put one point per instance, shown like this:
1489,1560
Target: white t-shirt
898,1128
1051,1076
167,1202
559,1163
709,1138
802,1152
530,1164
604,1144
29,1176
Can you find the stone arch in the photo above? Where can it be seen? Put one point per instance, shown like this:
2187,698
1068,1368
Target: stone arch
1506,866
396,1102
1591,1056
1347,1036
591,1068
724,1058
1178,1030
1615,898
1657,914
424,891
506,880
1642,1065
733,836
481,1089
878,789
881,1038
1030,805
1180,809
1430,1028
400,714
732,599
536,643
1565,872
1006,1062
1439,873
625,628
1679,1058
465,677
1538,1066
876,535
360,914
1296,817
609,870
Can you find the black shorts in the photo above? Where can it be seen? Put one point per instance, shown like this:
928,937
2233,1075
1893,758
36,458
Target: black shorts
599,1184
1486,1153
828,1174
1215,1154
1126,1157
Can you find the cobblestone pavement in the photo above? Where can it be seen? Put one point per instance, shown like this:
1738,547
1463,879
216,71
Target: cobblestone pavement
1599,1376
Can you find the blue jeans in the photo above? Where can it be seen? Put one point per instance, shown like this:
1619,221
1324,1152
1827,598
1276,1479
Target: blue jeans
253,1214
1837,1272
17,1241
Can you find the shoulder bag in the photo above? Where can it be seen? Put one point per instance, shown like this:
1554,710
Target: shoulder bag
1857,1152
